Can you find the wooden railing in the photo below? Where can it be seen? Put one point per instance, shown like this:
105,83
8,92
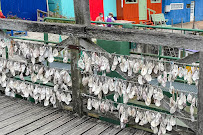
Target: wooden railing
82,31
149,11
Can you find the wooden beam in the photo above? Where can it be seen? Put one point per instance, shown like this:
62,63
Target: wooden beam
130,35
190,58
146,37
33,26
200,97
82,12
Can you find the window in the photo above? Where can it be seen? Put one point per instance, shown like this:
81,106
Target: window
155,1
188,6
176,6
130,1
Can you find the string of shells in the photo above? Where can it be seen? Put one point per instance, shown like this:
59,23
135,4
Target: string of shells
159,123
9,68
59,77
38,92
102,85
91,61
35,53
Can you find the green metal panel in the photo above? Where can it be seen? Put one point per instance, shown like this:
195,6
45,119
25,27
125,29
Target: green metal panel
142,9
115,47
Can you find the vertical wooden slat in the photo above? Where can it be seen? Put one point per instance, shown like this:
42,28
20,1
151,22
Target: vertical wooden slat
200,97
76,83
82,16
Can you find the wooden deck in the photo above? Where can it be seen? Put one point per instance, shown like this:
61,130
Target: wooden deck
18,117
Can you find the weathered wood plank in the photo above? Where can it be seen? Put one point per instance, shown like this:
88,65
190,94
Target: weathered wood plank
38,124
83,127
200,97
129,35
98,129
190,58
146,37
6,114
22,123
113,131
128,131
33,26
68,126
19,118
54,124
6,104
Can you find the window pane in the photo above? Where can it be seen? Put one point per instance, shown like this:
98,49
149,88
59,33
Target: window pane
131,0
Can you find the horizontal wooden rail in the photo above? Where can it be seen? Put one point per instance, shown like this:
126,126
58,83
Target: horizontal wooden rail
129,35
135,25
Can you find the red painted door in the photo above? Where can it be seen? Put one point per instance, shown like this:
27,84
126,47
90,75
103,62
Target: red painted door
96,7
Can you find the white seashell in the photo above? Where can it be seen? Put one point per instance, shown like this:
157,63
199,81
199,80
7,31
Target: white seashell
55,52
195,76
189,98
172,109
107,106
144,70
115,97
172,121
68,97
33,60
148,101
155,130
140,80
89,104
189,78
46,102
105,88
181,72
42,50
51,58
136,67
3,77
148,77
133,112
161,67
65,60
129,111
156,68
36,53
85,81
53,99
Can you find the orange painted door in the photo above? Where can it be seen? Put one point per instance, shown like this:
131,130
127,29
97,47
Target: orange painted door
119,6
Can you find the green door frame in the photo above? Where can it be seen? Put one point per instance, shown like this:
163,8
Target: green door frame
142,9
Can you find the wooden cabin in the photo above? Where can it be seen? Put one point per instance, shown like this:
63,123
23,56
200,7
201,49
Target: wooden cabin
137,10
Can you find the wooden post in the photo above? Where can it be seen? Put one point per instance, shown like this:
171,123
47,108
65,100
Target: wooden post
76,81
82,12
200,97
82,16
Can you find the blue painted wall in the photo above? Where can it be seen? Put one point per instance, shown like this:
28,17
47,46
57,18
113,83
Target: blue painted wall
198,10
110,6
68,8
176,15
23,8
